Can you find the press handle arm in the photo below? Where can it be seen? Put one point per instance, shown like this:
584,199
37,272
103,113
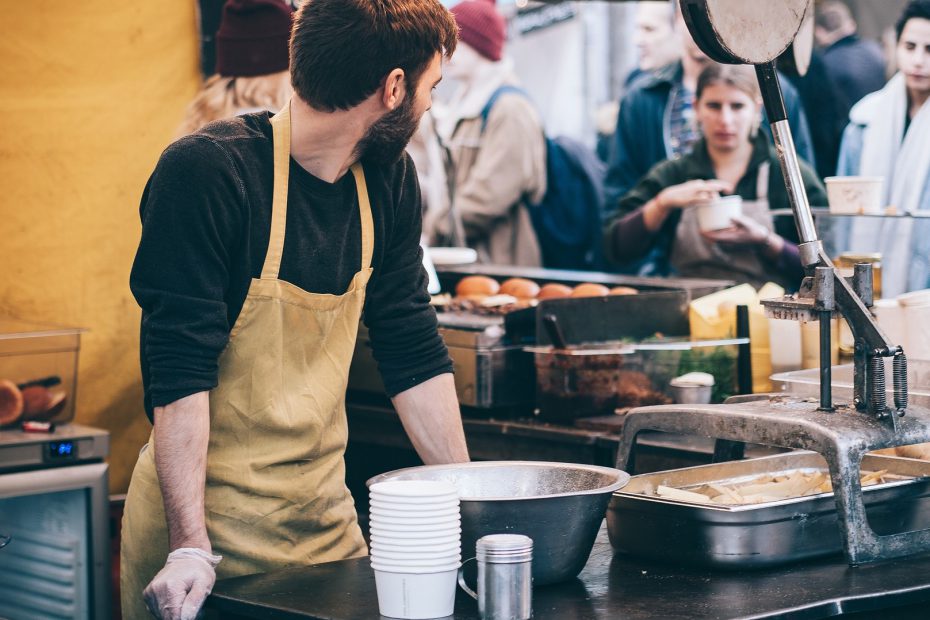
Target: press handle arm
810,246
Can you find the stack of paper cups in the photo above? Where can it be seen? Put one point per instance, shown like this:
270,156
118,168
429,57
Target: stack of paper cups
415,547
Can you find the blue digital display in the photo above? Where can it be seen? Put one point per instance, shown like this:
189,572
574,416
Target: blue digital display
61,449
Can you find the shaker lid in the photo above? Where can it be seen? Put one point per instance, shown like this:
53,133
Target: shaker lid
504,548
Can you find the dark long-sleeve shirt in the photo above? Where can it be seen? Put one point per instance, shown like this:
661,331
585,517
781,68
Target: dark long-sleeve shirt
626,236
206,217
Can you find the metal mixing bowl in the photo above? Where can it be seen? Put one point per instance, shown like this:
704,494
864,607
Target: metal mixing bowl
559,505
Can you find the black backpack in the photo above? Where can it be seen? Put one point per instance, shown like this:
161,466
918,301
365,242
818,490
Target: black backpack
568,219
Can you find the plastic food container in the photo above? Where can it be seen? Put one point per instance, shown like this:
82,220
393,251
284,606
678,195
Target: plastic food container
855,195
33,352
597,379
718,215
807,382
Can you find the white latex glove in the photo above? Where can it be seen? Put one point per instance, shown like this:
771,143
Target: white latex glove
179,590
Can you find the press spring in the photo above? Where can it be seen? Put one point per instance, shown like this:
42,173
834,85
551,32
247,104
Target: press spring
877,397
899,379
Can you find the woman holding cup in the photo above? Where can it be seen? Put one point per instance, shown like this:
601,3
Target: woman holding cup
707,214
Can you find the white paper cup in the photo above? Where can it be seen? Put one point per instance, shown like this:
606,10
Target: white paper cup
437,514
385,558
412,489
426,523
915,307
425,564
890,316
415,531
720,213
413,596
417,507
855,195
431,564
414,548
392,547
408,538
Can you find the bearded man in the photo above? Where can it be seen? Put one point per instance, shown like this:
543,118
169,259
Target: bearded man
265,239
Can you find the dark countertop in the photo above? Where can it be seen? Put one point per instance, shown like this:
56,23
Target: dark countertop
613,587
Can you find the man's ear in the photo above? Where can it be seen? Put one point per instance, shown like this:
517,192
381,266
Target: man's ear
395,88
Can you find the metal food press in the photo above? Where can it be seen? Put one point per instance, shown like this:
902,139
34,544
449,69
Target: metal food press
739,32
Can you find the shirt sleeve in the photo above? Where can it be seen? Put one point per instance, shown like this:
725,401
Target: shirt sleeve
626,236
191,210
401,323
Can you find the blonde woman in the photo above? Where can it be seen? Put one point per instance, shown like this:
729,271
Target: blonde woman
656,219
251,64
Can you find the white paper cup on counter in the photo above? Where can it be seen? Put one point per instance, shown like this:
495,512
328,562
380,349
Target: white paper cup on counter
915,308
416,595
855,195
719,214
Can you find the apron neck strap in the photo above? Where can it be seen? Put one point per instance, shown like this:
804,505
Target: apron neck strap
762,181
281,134
364,210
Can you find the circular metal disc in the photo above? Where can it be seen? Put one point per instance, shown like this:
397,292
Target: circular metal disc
756,32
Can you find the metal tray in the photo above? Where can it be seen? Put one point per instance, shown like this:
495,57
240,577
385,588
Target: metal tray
759,535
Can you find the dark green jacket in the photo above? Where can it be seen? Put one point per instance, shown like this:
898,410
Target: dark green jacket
697,165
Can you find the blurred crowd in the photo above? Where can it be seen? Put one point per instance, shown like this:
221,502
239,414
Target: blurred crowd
685,133
688,133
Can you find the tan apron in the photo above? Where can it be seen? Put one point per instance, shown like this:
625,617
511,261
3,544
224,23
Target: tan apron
275,488
694,257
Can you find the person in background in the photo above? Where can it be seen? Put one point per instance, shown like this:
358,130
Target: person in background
498,153
265,239
732,157
654,37
656,46
889,136
251,64
856,66
656,121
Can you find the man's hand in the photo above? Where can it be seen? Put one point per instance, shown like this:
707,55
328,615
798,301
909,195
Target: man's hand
182,435
179,590
689,194
693,193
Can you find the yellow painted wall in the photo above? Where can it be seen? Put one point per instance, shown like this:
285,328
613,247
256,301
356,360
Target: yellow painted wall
90,94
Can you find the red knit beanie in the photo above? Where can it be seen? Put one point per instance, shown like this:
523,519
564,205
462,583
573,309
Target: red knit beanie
253,38
481,26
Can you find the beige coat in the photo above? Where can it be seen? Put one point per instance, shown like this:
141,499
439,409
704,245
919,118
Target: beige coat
494,171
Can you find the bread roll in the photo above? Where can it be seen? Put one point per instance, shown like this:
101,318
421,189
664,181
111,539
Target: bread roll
11,402
554,291
521,288
590,290
623,290
476,287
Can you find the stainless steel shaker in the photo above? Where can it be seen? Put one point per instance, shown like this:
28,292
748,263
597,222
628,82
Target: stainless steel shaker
505,577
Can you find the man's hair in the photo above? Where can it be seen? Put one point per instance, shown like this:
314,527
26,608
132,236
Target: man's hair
916,9
833,15
741,77
342,50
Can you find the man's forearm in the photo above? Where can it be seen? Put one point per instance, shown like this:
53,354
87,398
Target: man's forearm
430,415
182,433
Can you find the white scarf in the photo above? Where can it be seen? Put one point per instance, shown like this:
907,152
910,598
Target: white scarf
904,164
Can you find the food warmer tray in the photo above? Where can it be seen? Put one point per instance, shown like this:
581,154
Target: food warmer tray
758,535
